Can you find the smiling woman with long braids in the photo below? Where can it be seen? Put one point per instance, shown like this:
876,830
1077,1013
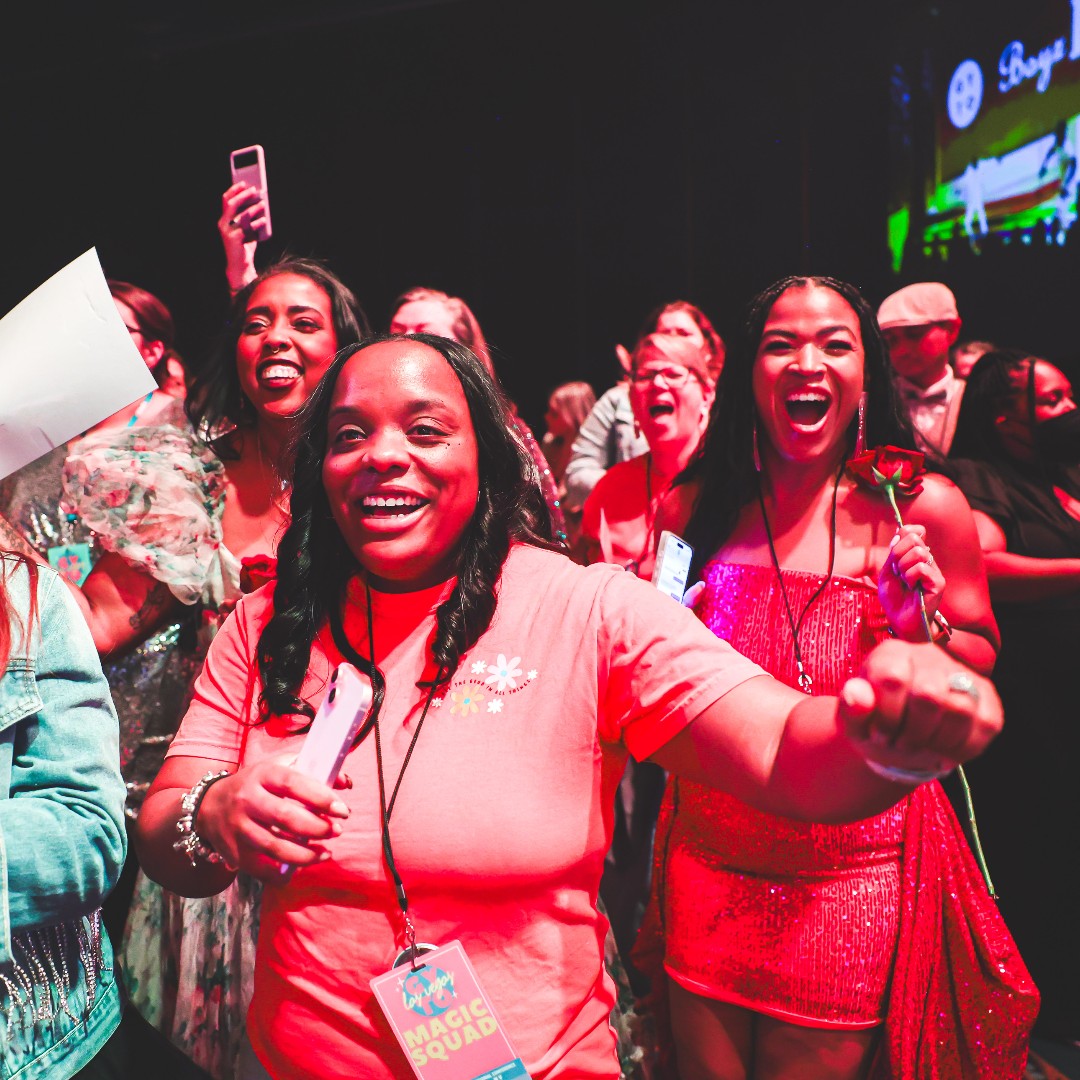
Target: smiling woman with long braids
512,683
789,945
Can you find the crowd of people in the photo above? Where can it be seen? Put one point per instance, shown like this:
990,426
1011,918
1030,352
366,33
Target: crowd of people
704,839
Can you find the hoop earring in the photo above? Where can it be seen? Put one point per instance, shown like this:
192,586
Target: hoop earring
860,431
757,455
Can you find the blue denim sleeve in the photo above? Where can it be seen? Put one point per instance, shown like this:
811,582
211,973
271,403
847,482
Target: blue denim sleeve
62,833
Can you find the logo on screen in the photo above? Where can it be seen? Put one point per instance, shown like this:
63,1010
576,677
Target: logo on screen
965,93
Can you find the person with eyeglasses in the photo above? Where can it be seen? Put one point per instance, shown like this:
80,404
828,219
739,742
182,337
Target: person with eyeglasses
671,392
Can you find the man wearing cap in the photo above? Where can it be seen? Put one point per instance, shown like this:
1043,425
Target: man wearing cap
920,324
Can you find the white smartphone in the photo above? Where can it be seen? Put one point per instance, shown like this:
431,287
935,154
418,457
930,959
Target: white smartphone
340,717
672,566
249,165
330,737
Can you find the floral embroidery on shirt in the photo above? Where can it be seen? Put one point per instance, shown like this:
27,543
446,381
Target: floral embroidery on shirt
502,678
504,673
467,699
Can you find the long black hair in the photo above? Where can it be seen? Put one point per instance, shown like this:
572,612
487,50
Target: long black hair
724,464
215,400
315,563
1000,378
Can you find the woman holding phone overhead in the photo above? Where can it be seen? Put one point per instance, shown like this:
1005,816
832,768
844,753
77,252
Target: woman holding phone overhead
419,548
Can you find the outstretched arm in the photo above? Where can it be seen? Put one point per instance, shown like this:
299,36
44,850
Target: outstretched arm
912,708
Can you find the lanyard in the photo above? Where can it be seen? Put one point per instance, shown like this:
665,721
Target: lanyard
142,405
345,647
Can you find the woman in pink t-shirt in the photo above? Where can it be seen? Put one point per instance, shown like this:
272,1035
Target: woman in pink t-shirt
510,685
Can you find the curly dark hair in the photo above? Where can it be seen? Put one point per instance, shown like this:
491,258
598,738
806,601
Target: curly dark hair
315,563
215,400
724,464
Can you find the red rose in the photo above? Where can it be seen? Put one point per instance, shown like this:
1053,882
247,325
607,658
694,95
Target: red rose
889,465
256,571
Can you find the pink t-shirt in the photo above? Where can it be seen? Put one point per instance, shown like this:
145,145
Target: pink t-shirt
502,819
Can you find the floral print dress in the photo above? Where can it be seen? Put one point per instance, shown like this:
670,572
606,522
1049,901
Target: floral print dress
155,496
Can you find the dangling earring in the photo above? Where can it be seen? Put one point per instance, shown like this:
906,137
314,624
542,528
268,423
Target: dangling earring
860,432
757,456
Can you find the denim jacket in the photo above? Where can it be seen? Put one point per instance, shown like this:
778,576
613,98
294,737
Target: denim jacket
62,836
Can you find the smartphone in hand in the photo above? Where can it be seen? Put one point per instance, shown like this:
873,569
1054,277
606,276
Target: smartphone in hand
672,566
336,724
248,166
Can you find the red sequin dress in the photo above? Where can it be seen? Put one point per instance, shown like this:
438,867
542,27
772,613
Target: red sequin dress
835,926
785,917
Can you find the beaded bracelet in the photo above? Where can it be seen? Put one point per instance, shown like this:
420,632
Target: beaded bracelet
190,843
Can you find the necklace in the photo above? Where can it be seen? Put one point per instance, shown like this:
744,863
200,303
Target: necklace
805,682
269,475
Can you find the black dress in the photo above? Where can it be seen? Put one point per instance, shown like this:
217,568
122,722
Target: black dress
1025,785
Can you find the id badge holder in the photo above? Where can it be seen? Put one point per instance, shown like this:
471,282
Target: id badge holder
443,1020
71,561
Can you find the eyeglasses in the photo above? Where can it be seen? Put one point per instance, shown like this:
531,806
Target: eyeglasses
673,377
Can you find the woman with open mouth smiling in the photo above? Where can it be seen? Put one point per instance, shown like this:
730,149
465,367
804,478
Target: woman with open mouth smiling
671,391
509,685
788,947
188,964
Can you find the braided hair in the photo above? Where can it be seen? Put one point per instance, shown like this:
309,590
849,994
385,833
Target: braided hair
315,563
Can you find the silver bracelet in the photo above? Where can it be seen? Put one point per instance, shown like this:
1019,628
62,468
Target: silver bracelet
905,776
191,843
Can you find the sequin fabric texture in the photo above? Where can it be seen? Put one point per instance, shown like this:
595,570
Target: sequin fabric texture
788,918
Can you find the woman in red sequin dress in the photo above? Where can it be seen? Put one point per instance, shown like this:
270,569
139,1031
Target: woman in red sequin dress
786,945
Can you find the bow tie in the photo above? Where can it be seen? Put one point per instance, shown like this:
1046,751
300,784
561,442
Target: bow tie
915,396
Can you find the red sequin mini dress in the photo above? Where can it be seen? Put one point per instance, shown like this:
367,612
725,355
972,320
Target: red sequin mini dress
788,918
833,926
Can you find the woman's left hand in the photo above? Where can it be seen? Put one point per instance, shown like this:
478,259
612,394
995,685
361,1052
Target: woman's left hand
909,565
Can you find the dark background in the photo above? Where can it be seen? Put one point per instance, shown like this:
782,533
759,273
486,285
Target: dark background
562,166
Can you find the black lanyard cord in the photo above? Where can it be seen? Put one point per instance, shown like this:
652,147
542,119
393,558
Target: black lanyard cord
346,649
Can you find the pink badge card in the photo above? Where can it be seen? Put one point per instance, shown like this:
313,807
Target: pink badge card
444,1021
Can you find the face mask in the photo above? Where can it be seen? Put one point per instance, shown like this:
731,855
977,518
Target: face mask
1058,439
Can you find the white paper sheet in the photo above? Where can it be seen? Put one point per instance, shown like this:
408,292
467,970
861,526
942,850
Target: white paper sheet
67,361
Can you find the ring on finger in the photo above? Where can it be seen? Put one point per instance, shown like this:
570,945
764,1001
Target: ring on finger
961,682
929,557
